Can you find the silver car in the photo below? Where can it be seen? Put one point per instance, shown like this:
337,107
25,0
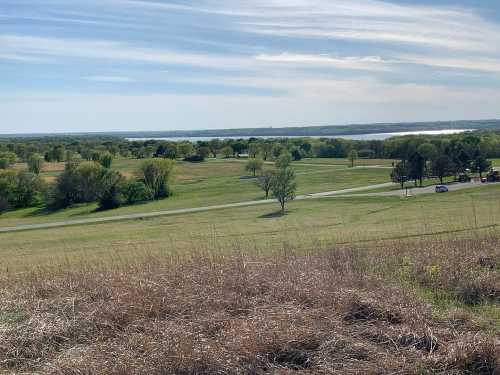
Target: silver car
441,189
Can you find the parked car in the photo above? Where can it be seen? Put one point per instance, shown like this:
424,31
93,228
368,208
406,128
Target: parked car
441,189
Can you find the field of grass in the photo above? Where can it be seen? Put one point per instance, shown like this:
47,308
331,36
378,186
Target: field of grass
345,162
204,184
338,285
428,307
308,224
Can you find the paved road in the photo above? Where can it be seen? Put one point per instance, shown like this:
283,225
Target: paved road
417,191
335,193
180,211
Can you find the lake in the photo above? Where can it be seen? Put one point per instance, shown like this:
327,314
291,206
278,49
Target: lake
359,137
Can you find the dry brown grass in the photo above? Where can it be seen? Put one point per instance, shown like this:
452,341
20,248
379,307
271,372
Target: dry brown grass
339,311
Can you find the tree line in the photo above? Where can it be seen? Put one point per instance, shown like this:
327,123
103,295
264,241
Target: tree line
441,158
93,149
86,182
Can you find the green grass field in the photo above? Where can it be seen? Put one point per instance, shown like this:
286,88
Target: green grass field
308,224
204,184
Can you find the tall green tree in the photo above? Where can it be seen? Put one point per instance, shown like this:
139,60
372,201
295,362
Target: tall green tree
442,167
284,186
265,181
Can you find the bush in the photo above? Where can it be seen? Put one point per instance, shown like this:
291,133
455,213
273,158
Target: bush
106,160
137,191
79,183
157,174
111,193
21,189
194,158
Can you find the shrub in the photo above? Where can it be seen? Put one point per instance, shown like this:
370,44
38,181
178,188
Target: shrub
194,158
157,175
106,160
111,191
137,191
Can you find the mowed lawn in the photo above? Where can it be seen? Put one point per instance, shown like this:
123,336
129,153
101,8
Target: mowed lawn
203,184
308,224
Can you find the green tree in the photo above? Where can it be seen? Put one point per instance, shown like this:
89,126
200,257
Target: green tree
157,175
284,186
265,181
227,152
352,156
266,150
106,160
399,173
296,154
283,161
203,152
442,167
254,166
253,150
111,194
480,164
35,163
7,159
137,191
214,145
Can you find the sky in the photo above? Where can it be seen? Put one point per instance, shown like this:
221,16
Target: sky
121,65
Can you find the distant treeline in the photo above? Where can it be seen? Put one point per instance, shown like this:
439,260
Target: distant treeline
66,148
306,131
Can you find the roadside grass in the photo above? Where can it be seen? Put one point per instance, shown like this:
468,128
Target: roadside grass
204,184
308,224
347,163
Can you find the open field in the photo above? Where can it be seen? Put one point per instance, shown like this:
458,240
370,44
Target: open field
345,162
308,224
209,183
338,285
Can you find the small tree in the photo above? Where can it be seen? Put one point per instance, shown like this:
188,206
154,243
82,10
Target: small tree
137,191
35,163
111,190
400,173
253,150
442,167
265,181
157,174
284,186
106,160
480,164
214,145
352,156
296,154
254,166
283,161
203,152
227,152
7,159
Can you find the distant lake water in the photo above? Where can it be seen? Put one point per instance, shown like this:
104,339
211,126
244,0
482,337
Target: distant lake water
359,137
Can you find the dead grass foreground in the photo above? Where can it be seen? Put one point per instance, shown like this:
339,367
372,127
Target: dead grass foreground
339,311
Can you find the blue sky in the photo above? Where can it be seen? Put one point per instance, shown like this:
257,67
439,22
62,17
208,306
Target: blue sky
103,65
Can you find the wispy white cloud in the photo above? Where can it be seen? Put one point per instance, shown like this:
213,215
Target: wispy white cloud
110,79
323,60
355,20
